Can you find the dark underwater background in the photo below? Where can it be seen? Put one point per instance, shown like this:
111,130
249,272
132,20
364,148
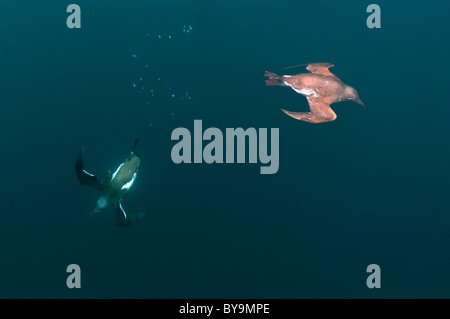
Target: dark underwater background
372,187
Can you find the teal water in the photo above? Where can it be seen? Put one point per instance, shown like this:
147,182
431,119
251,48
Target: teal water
371,187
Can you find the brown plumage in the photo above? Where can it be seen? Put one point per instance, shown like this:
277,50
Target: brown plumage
321,88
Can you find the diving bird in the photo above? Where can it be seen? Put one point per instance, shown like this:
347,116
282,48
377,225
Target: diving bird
114,187
321,88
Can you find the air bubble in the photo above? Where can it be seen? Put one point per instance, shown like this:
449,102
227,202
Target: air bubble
187,28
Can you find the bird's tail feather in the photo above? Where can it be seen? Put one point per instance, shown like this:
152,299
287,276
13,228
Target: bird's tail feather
273,79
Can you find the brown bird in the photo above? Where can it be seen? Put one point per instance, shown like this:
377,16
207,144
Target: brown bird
321,88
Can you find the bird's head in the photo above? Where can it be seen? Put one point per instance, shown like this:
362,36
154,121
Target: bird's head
352,95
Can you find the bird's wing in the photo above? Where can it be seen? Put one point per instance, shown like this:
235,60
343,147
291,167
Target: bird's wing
320,107
84,177
320,68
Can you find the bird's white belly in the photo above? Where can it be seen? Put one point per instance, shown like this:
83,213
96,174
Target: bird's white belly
305,92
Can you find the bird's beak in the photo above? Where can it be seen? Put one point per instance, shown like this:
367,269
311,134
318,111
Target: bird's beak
360,102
